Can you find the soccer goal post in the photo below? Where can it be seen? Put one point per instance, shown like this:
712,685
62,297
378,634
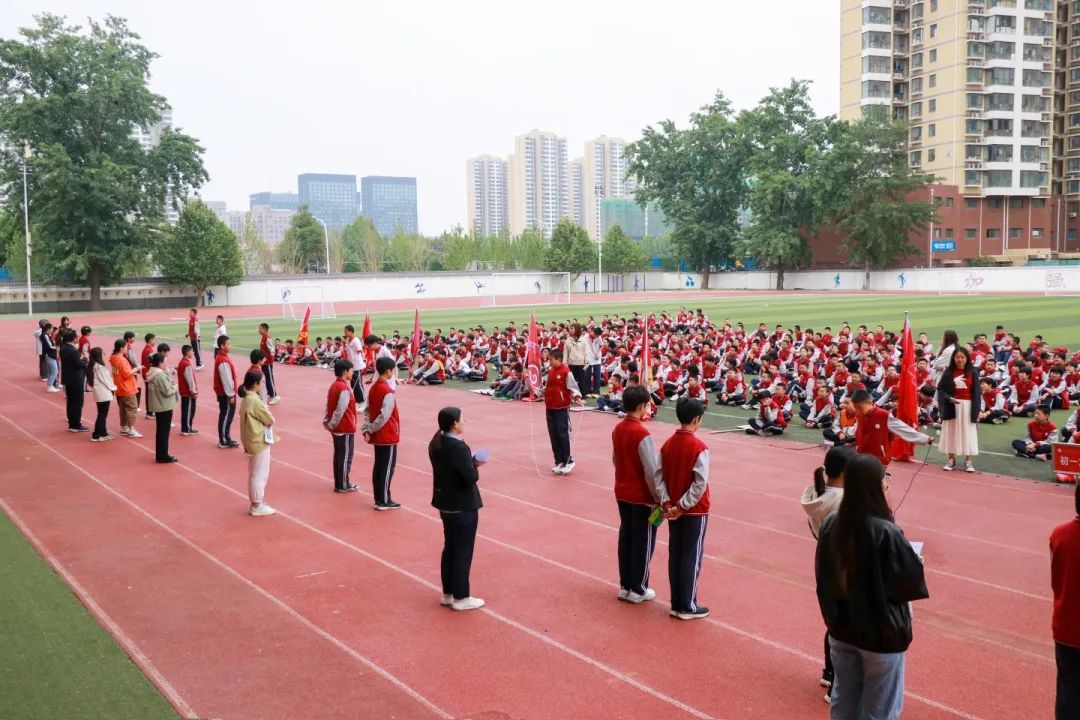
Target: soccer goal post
295,298
527,288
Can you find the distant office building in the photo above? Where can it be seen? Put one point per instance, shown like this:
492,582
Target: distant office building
539,182
235,219
389,202
331,198
632,218
271,224
487,191
604,177
275,201
218,207
577,191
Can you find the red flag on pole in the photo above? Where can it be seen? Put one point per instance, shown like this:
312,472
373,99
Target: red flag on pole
907,401
532,358
414,344
369,352
302,336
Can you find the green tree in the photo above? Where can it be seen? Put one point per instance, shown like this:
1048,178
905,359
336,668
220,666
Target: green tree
872,184
697,176
97,197
258,259
409,252
787,145
570,249
304,244
528,251
201,251
458,249
363,249
658,246
621,254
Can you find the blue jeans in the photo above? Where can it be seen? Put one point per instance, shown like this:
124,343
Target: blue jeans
867,686
52,369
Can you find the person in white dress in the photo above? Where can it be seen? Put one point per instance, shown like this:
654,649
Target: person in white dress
960,402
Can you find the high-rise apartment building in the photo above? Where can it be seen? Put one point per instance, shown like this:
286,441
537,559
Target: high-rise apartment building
487,194
390,203
577,191
275,201
539,182
604,177
991,89
270,223
148,138
331,198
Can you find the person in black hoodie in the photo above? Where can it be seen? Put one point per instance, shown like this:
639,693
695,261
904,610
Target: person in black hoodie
73,378
867,576
457,499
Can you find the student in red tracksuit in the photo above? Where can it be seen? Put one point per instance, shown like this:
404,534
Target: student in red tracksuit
770,419
1065,582
189,390
382,429
560,392
684,462
225,389
876,426
148,349
195,336
340,420
269,381
639,487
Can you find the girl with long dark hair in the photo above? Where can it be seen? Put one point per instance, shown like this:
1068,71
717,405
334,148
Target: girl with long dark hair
867,574
100,378
948,346
960,402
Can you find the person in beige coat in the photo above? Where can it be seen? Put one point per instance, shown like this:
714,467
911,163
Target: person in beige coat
100,375
575,350
256,436
161,398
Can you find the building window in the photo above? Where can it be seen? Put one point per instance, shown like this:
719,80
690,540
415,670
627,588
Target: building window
1038,203
931,130
916,133
971,203
971,234
933,31
937,233
948,202
932,105
972,177
916,157
1014,233
1033,178
1036,232
933,54
1071,234
995,203
931,155
949,233
933,5
993,233
933,81
1016,203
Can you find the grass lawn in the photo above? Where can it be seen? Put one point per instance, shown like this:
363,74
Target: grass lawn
1055,318
55,660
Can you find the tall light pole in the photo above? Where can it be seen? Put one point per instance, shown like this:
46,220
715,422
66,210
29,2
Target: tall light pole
598,191
326,235
930,240
26,222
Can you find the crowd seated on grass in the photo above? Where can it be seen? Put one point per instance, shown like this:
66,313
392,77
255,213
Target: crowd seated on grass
782,375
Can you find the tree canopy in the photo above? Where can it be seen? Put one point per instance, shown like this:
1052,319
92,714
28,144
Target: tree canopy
570,249
304,246
621,254
97,197
200,251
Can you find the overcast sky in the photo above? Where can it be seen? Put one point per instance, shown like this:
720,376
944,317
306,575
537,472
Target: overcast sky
273,89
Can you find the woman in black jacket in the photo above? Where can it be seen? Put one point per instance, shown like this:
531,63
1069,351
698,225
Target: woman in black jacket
457,499
867,576
960,402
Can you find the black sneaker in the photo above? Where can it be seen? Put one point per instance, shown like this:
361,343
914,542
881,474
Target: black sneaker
233,444
349,489
382,507
151,415
700,612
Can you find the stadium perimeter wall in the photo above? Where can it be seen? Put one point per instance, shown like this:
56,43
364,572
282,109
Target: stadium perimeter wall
385,286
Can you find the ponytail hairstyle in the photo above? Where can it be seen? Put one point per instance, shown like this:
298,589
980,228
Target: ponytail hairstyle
118,346
251,379
831,468
95,359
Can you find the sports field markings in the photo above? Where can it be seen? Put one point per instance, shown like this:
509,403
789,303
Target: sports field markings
746,633
98,613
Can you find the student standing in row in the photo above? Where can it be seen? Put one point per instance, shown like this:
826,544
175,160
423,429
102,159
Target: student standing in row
340,421
639,487
219,330
161,401
1065,582
561,391
73,378
133,359
354,350
269,381
867,576
99,375
257,435
225,389
124,378
382,430
149,348
457,498
48,350
188,388
684,461
194,334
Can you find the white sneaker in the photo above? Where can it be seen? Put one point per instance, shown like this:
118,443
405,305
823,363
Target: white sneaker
134,434
446,600
567,468
557,468
274,400
622,414
633,597
262,510
623,594
52,389
106,438
469,603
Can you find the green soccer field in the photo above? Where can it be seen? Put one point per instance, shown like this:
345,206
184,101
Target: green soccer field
1055,318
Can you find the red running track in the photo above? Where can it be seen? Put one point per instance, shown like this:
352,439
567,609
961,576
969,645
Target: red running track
330,610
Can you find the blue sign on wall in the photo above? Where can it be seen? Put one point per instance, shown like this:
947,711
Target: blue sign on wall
943,246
